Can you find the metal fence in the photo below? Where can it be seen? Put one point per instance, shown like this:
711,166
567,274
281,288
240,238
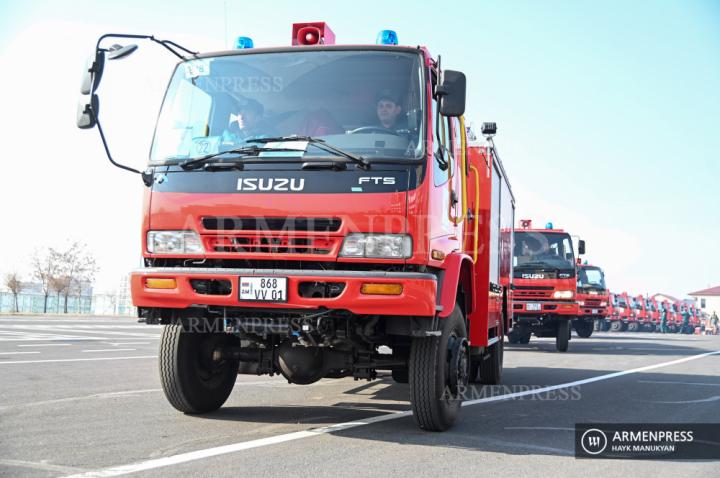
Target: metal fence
83,305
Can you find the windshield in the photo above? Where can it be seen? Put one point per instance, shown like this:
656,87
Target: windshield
369,103
591,278
543,249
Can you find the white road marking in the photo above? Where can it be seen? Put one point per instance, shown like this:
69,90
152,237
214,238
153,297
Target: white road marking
235,447
79,359
17,353
669,382
127,343
564,429
714,398
108,350
43,465
85,397
43,345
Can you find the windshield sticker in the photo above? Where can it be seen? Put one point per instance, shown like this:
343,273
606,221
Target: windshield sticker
196,68
298,149
205,145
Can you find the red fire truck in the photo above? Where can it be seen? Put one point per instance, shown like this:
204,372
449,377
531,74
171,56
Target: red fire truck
592,298
306,205
653,313
639,313
545,284
621,306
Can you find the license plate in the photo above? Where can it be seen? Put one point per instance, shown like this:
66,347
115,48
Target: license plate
532,306
263,289
595,311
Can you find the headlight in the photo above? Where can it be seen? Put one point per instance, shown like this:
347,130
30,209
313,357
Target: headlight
603,304
174,242
563,294
387,246
581,303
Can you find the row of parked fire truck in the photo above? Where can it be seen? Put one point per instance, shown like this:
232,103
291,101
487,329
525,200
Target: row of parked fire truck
641,313
554,292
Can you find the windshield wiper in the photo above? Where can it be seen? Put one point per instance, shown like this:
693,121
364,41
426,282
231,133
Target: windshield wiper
254,150
318,143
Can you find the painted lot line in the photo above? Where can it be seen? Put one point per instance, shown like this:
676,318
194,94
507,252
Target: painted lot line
248,445
79,359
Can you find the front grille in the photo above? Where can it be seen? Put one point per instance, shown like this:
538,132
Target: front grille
533,294
304,224
592,302
268,244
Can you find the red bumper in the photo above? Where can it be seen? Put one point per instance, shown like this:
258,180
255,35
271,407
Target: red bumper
418,297
546,308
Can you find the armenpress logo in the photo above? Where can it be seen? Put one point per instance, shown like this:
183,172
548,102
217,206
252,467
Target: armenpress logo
593,441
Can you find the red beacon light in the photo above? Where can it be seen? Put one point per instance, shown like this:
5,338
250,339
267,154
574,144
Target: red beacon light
314,33
526,223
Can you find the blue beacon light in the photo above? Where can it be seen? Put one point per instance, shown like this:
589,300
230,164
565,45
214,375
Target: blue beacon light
242,43
549,225
387,37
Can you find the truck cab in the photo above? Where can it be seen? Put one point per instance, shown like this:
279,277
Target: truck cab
653,314
592,298
545,285
622,307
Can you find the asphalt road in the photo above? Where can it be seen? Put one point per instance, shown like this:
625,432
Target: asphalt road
82,395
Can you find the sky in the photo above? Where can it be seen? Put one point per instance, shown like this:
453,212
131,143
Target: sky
608,117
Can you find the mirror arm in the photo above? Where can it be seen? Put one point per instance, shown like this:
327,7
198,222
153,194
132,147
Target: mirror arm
105,145
171,46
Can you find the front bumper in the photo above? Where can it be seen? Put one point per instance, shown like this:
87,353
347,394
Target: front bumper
418,297
547,308
595,312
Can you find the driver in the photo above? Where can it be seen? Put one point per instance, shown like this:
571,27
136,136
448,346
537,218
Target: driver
388,109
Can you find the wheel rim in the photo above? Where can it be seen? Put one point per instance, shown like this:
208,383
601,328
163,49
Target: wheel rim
208,370
458,356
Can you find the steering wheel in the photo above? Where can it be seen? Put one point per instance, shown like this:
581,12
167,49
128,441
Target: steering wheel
372,129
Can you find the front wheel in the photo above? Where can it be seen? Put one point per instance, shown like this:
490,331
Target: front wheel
562,338
193,378
633,327
439,373
616,326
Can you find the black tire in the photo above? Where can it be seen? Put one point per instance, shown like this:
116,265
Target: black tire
616,326
562,337
514,336
191,380
605,326
525,338
435,407
624,326
584,329
400,375
491,365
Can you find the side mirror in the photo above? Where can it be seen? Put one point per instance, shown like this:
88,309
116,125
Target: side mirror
87,112
116,51
452,93
581,247
93,73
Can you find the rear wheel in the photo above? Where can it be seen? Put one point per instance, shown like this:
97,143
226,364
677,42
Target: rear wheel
562,338
439,372
584,329
192,379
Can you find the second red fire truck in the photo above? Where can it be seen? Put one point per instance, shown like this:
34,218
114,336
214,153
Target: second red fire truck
545,284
